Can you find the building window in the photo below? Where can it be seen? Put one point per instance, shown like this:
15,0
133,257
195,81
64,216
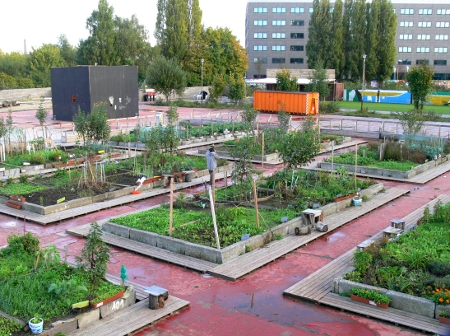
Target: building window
404,62
260,10
311,9
422,61
279,10
425,11
278,35
424,24
407,11
440,62
297,22
260,35
260,48
443,12
278,23
297,48
260,60
406,24
441,37
297,9
423,37
260,22
278,60
423,49
296,60
440,50
442,24
297,35
405,36
404,49
278,48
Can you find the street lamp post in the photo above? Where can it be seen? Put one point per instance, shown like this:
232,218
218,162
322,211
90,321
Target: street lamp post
395,70
201,92
363,81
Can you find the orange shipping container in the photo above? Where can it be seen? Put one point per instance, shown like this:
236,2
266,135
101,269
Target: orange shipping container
293,102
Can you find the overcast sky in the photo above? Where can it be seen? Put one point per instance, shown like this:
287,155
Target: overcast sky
41,22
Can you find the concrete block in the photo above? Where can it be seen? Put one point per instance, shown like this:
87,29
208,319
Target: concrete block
412,304
87,318
65,327
143,236
345,286
335,287
118,304
116,229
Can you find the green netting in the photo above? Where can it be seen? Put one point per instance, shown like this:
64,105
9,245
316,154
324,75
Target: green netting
432,146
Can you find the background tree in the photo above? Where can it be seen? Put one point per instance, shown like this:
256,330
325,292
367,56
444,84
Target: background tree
15,64
236,87
92,126
420,83
386,50
411,121
100,46
3,130
217,87
41,115
285,82
319,81
371,41
68,52
41,61
337,40
319,33
178,24
166,77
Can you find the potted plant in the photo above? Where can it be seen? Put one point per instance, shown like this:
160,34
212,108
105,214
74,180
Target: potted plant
444,317
369,296
36,324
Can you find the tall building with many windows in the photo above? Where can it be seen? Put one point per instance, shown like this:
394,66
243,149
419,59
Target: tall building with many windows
276,34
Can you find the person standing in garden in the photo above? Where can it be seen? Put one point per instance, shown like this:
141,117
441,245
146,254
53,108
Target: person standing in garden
211,163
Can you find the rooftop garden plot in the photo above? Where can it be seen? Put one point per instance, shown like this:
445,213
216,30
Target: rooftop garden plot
418,263
34,281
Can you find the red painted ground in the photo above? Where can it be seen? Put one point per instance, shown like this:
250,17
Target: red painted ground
253,305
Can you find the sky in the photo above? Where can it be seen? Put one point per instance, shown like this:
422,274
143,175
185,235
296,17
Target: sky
42,22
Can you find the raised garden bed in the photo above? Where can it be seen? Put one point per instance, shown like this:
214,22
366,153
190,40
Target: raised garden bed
231,251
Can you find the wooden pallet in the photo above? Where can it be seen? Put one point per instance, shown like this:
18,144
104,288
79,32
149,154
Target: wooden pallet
398,317
94,207
131,318
238,267
148,250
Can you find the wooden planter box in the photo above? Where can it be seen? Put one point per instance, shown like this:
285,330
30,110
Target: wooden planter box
343,198
367,301
108,300
444,320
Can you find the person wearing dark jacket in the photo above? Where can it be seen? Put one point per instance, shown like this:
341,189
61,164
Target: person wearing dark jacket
211,163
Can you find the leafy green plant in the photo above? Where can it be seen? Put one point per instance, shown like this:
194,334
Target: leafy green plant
94,257
370,295
36,319
7,326
443,313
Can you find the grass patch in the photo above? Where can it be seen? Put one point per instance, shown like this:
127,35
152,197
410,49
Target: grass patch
232,223
392,107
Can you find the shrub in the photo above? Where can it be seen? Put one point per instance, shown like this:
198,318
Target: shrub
329,107
438,268
55,157
37,159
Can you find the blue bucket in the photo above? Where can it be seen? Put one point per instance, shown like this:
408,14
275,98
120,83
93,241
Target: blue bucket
36,328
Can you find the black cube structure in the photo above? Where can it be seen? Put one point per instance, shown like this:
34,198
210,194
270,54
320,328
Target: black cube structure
84,86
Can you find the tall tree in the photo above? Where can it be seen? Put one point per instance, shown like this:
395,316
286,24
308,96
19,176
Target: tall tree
178,25
100,47
337,40
349,62
420,83
236,87
41,60
359,34
386,50
14,64
68,52
319,33
371,41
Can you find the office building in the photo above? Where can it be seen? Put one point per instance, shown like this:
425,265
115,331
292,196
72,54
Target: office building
277,33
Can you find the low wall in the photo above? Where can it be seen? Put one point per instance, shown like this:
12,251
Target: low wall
387,172
350,133
232,251
401,301
25,94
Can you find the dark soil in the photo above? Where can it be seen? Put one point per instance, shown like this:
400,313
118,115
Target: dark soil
115,181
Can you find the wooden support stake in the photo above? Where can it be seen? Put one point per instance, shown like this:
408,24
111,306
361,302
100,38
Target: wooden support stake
213,212
255,196
171,207
214,186
262,155
356,163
